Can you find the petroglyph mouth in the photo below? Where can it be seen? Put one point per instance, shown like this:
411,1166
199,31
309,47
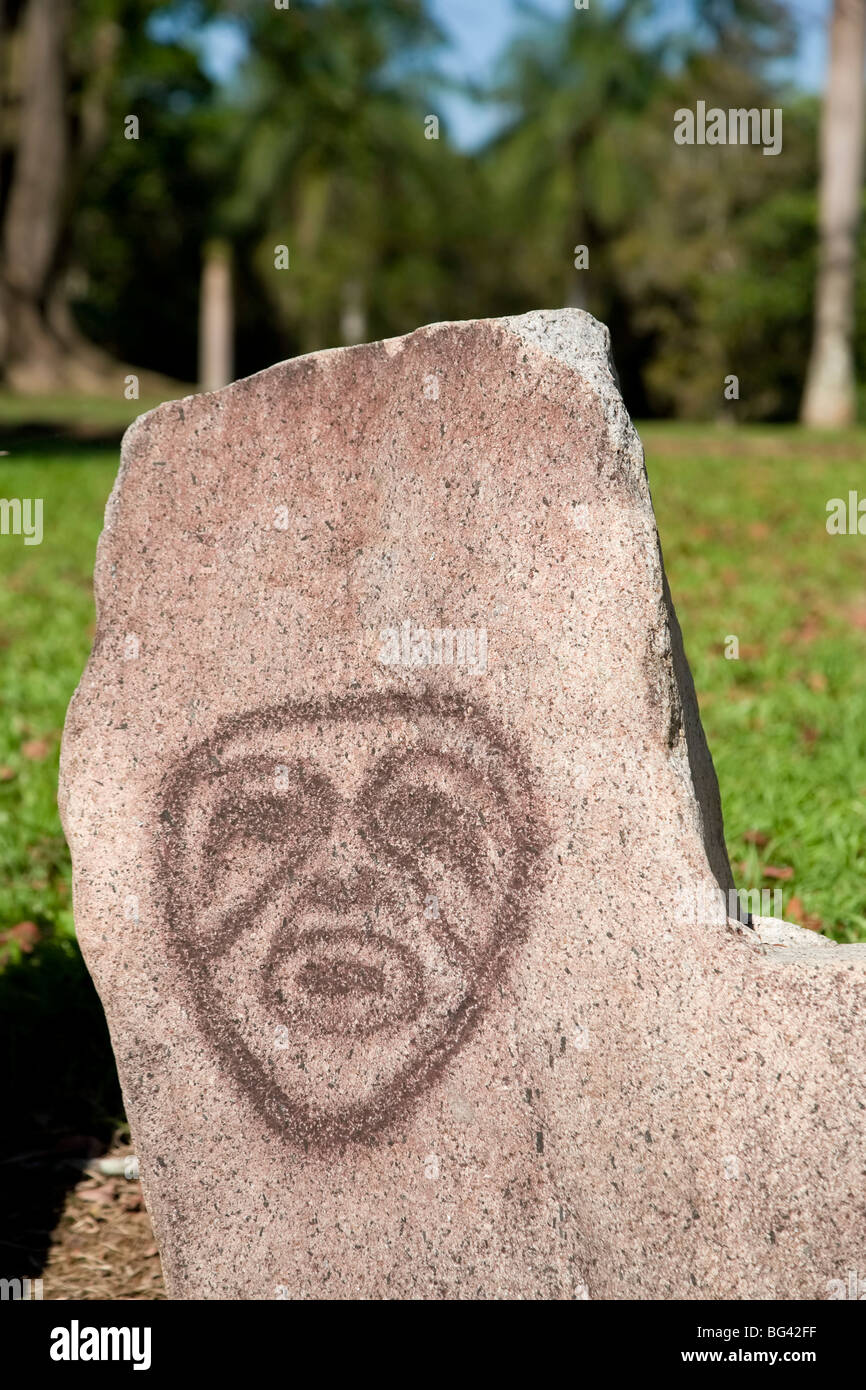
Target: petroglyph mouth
345,981
340,976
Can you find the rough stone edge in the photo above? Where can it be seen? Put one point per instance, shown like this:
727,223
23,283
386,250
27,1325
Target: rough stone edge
583,344
785,943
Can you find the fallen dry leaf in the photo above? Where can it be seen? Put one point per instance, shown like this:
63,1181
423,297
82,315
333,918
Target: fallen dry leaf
797,913
24,934
36,749
101,1196
756,837
7,773
810,628
771,871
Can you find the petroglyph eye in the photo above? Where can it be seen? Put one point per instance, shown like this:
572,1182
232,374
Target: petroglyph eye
431,811
415,820
262,817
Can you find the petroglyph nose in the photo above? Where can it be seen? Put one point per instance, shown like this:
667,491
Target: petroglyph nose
342,871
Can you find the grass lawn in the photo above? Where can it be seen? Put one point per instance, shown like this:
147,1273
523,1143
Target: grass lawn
742,518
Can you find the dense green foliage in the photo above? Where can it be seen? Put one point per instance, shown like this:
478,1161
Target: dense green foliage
701,258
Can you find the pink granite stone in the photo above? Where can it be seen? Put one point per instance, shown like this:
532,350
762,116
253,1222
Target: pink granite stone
399,859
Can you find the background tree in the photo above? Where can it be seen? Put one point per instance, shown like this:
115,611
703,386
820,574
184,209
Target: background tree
701,259
385,228
69,74
678,252
830,395
30,336
145,207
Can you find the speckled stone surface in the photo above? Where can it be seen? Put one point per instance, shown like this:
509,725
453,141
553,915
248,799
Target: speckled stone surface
387,797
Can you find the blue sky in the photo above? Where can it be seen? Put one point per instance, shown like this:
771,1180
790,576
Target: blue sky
480,30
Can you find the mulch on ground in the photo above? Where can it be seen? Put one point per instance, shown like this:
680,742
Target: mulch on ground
103,1245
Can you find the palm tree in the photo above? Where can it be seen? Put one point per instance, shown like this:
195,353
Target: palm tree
326,121
562,163
829,399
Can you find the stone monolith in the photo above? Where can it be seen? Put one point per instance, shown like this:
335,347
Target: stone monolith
399,864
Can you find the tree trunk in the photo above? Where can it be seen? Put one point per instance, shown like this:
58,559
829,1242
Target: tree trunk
353,313
41,348
829,399
216,329
35,206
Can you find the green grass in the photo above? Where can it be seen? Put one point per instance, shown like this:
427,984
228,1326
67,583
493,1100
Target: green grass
742,518
46,627
63,449
59,1081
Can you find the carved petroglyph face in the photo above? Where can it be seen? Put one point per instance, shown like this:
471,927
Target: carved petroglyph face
343,883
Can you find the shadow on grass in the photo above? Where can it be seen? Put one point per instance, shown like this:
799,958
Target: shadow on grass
59,1096
35,437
